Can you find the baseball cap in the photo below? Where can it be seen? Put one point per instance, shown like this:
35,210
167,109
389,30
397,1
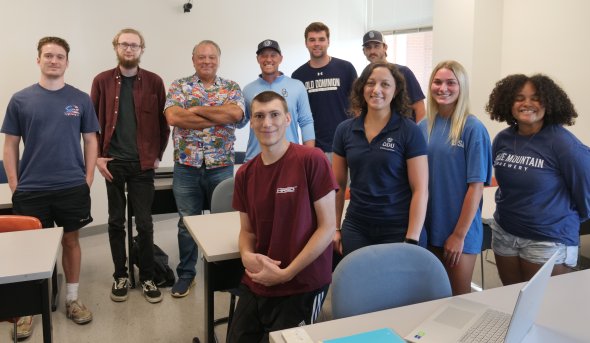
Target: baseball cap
268,43
373,36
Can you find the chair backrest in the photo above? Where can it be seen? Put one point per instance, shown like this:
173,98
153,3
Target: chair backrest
384,276
3,177
9,223
222,196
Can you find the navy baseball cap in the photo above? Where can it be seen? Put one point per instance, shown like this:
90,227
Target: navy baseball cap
268,43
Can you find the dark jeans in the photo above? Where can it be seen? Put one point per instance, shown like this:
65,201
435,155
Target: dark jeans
193,188
140,188
357,234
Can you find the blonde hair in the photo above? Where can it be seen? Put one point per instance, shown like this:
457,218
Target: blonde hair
461,110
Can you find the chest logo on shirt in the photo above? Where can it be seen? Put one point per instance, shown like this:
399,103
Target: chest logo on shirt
72,111
388,144
518,162
284,93
460,144
322,85
282,190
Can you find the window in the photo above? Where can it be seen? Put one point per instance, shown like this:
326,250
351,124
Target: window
412,48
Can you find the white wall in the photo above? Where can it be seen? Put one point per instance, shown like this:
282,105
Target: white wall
237,26
494,38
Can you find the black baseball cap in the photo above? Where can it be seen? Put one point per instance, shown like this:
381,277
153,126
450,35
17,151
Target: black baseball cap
373,36
268,43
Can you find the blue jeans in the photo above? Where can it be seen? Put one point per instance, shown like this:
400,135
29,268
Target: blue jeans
140,188
193,188
357,234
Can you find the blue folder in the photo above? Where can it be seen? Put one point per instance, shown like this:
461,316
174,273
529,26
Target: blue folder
377,336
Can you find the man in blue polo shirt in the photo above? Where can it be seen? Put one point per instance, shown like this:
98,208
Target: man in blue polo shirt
269,58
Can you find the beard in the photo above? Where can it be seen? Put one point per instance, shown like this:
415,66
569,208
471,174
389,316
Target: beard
128,64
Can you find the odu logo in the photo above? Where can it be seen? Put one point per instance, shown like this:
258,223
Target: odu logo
388,144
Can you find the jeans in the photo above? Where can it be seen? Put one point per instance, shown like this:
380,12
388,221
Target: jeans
140,188
357,234
193,188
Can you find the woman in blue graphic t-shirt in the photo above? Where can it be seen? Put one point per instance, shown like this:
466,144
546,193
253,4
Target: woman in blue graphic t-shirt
542,172
386,154
459,164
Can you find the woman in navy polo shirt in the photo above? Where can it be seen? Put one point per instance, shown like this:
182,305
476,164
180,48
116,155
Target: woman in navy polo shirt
543,178
459,163
386,154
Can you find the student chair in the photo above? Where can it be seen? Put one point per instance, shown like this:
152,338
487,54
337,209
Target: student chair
221,201
384,276
10,223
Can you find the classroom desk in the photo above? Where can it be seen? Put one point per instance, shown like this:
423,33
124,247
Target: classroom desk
217,237
28,258
564,309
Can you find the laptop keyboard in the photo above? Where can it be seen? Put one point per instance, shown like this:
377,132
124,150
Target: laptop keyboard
491,327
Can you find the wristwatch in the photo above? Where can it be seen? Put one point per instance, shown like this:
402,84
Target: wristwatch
411,241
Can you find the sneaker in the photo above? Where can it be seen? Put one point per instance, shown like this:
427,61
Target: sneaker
151,292
77,312
24,328
181,287
119,289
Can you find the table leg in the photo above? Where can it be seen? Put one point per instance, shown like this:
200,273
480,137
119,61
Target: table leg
46,312
209,303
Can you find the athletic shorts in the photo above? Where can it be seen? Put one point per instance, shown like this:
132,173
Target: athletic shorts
256,316
69,208
539,252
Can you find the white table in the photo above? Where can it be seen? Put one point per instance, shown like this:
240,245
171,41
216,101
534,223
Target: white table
28,258
217,237
564,310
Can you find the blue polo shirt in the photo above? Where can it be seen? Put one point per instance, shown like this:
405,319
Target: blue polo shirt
379,189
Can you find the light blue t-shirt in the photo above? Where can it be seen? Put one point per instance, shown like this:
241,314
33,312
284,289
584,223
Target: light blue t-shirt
297,101
450,169
544,184
50,124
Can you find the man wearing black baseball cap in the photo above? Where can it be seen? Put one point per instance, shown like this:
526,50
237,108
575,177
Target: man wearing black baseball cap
269,58
375,50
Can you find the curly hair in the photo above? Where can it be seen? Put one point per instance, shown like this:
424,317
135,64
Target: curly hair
558,106
400,102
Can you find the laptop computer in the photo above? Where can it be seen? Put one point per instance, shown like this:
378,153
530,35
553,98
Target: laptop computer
457,320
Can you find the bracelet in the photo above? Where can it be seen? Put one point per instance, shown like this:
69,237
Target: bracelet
411,241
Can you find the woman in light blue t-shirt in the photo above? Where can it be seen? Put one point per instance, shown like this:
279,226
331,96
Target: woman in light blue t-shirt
459,164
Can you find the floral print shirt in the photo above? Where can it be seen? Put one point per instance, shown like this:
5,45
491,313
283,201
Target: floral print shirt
214,145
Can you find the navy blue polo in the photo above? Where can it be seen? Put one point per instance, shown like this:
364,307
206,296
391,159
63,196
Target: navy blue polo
379,189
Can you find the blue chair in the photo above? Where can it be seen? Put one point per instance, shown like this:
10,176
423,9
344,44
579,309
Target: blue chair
384,276
3,178
221,201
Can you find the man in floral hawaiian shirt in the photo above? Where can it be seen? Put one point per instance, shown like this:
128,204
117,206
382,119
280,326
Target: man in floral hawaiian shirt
204,109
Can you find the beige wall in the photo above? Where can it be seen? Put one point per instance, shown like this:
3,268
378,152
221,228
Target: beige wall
237,26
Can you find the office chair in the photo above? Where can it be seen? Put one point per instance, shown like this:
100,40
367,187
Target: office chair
486,244
384,276
3,178
221,201
10,223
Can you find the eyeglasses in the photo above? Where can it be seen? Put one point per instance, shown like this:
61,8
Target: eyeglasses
125,46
